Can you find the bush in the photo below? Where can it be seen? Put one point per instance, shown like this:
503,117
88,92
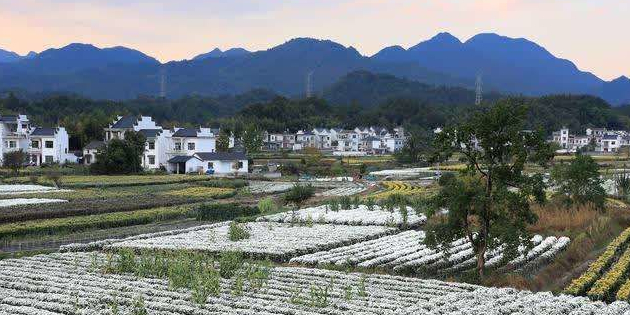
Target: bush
238,232
225,183
267,205
299,193
224,211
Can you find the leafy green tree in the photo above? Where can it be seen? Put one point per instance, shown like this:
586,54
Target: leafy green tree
120,156
252,139
137,144
579,181
14,160
489,205
223,141
416,148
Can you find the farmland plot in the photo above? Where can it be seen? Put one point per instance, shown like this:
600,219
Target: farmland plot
28,201
27,189
607,278
360,215
267,239
69,284
348,189
258,187
406,251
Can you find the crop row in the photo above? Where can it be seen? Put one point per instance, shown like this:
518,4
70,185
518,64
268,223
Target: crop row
112,203
359,215
278,241
70,284
407,252
399,187
582,285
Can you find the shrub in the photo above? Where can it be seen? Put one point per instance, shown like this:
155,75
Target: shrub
238,232
345,203
54,176
225,183
267,205
34,179
229,263
299,193
223,211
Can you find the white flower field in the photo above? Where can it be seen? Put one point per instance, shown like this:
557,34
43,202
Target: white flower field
279,241
70,284
27,201
360,215
28,189
406,250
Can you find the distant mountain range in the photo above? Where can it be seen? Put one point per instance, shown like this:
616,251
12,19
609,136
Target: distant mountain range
218,53
506,65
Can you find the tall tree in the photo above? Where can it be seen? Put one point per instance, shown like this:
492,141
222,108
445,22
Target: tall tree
489,205
252,138
223,141
579,181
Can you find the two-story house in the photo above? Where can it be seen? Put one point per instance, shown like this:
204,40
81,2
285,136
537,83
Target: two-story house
49,145
14,132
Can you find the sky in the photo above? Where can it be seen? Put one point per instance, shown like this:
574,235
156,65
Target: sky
592,33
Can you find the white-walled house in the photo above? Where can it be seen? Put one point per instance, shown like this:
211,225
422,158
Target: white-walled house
122,124
50,145
188,141
201,162
156,150
42,145
91,150
14,132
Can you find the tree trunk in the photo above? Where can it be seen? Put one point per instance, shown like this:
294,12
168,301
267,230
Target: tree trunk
481,259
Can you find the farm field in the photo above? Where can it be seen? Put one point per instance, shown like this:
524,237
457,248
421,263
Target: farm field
405,252
278,241
95,283
360,215
607,277
403,188
90,201
83,181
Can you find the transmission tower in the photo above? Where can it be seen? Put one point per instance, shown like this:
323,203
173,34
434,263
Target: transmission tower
478,90
309,84
163,83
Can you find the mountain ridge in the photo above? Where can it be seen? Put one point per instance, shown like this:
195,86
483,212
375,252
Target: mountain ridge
508,65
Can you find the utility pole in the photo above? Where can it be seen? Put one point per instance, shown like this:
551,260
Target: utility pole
478,90
163,83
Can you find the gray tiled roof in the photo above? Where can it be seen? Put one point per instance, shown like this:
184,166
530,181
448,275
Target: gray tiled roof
93,145
180,159
186,132
221,156
150,133
44,131
125,122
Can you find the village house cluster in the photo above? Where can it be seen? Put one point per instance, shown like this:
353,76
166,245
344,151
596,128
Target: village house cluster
357,141
596,140
180,150
43,145
189,150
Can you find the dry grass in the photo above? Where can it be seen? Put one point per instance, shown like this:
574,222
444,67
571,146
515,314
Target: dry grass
554,218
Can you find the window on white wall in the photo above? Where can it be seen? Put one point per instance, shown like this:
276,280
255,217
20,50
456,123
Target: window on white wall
48,159
191,145
151,145
151,159
49,144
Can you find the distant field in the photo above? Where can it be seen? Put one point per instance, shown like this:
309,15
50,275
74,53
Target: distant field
84,181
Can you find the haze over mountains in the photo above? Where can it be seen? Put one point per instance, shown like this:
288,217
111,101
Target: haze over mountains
507,65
